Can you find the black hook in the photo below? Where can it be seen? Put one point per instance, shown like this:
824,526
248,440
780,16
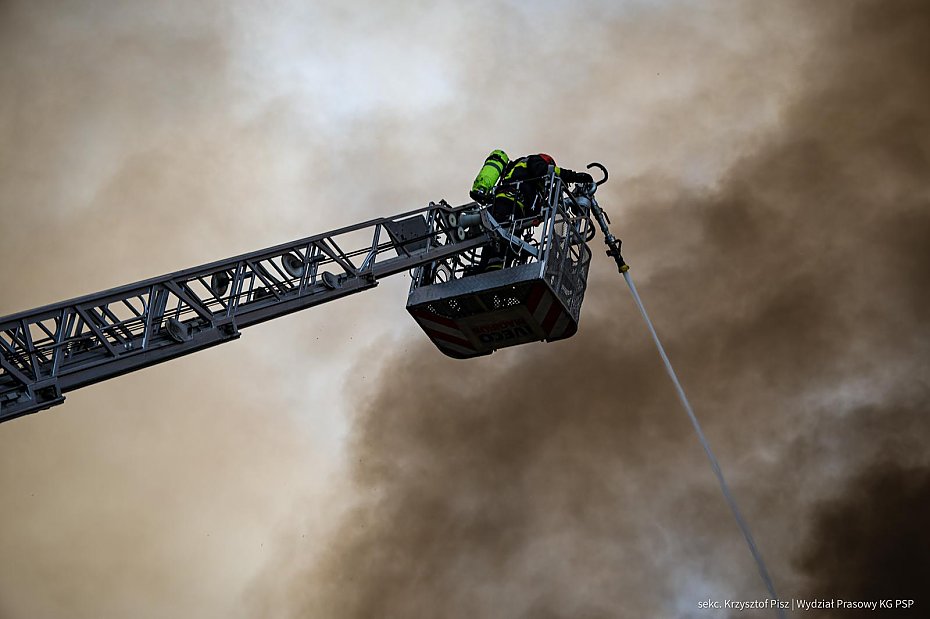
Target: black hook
602,169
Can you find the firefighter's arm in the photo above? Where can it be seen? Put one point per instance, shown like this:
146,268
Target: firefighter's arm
570,176
537,166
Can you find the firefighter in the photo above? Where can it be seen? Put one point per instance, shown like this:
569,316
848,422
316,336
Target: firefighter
519,196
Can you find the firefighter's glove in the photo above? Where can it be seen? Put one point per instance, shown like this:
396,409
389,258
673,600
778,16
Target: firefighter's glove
583,177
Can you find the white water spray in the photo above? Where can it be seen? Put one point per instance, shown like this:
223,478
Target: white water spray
744,527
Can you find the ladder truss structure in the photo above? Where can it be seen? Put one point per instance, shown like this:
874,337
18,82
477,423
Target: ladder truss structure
48,351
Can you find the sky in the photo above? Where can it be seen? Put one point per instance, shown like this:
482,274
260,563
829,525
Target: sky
768,177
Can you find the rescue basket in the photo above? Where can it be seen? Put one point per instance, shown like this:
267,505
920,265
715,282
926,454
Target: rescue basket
535,298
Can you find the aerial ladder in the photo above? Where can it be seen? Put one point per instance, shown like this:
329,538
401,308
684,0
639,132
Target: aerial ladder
48,351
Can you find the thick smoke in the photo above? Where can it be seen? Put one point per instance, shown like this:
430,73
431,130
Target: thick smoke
769,175
563,481
123,156
871,543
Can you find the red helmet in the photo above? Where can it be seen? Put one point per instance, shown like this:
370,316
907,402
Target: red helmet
547,158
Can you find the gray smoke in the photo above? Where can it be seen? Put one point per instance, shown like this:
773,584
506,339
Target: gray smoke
768,174
563,480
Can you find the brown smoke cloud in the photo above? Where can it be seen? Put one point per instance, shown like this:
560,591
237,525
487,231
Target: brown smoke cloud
122,156
768,166
563,480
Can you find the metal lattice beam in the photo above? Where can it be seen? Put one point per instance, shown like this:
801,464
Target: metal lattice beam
50,350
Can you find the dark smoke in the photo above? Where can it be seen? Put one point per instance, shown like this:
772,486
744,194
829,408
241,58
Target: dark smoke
871,542
563,481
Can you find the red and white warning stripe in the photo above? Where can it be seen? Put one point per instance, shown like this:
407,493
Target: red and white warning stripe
548,312
444,333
